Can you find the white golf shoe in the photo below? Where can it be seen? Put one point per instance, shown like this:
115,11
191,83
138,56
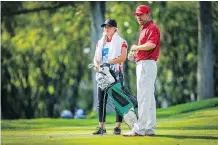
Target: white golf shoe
130,133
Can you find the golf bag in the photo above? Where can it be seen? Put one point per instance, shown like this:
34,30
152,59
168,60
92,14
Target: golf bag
124,102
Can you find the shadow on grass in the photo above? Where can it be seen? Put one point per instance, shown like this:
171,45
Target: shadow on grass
188,137
190,128
45,123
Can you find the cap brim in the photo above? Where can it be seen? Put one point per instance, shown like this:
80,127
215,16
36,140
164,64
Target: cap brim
106,24
138,13
103,25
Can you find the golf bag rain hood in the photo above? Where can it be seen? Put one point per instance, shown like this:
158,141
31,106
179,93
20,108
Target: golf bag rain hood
124,102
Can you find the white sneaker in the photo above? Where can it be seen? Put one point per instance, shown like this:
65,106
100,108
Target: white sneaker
130,133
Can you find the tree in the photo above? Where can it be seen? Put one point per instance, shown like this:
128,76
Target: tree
42,52
97,17
205,52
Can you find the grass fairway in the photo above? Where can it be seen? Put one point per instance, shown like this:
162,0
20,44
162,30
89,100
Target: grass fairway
188,124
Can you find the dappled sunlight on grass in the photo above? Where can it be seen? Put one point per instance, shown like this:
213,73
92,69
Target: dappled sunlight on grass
198,126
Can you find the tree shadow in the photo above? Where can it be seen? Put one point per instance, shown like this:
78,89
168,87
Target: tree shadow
188,137
212,127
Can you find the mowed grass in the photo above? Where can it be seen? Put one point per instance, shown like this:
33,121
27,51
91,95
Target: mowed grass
193,123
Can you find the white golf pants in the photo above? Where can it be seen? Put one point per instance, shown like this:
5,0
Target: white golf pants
146,71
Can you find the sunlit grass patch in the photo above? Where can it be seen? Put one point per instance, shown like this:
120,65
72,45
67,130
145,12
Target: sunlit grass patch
198,126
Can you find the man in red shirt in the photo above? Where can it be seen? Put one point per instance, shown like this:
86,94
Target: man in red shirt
145,54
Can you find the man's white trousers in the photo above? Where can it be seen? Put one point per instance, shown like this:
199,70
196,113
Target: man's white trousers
146,71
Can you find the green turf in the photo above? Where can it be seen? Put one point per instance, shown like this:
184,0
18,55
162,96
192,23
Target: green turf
187,124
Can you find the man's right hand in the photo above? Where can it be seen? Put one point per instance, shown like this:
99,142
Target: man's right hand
96,68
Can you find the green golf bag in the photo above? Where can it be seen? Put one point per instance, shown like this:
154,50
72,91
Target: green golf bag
124,102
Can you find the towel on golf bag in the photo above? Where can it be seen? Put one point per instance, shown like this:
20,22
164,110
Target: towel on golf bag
124,102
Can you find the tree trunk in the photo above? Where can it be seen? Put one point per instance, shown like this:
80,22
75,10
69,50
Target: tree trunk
205,52
75,88
97,18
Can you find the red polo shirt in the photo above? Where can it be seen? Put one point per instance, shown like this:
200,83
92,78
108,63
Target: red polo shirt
149,33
